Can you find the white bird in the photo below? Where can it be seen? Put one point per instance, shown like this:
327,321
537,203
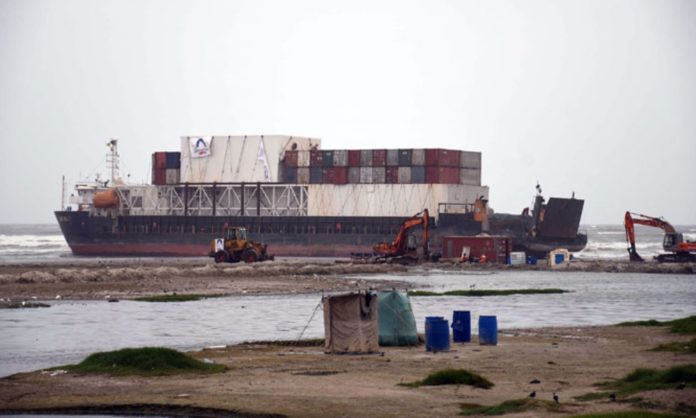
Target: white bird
58,296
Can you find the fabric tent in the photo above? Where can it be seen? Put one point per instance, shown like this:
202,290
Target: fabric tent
350,323
397,325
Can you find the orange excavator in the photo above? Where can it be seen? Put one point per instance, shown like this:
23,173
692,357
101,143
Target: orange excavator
404,248
680,251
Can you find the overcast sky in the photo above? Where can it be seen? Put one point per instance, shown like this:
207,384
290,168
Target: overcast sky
592,97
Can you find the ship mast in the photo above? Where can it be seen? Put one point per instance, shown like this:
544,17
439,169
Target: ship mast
112,161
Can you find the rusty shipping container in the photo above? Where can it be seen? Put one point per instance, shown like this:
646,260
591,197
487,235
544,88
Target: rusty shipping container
159,176
159,160
340,175
439,157
495,248
392,175
443,175
354,158
379,157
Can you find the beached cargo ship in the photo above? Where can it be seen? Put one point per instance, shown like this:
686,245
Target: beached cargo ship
299,199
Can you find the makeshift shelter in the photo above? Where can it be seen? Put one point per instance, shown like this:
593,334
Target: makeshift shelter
350,323
397,325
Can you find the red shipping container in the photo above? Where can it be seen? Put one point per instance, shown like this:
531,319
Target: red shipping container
448,175
495,248
290,159
432,174
379,157
159,160
327,175
392,175
159,176
449,158
315,158
340,175
432,157
354,158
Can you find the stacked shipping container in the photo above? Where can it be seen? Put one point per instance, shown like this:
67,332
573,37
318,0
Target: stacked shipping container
382,166
166,168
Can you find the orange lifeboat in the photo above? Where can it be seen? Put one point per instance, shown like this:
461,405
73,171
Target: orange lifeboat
106,199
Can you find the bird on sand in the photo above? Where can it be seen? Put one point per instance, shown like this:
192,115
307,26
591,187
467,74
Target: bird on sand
681,386
612,397
533,394
555,397
535,382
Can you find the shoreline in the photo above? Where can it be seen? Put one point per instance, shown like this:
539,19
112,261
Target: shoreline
96,279
268,379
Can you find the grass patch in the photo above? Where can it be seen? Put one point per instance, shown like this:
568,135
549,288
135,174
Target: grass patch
489,292
509,407
678,347
679,326
175,298
648,379
452,377
144,361
629,414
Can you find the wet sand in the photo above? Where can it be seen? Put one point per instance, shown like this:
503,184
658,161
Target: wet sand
132,278
302,381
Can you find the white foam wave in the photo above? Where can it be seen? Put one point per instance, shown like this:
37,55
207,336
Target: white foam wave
31,241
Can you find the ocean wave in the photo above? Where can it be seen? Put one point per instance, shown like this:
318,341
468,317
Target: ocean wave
31,241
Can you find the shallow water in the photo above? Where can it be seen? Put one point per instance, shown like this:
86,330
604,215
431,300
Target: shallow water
68,331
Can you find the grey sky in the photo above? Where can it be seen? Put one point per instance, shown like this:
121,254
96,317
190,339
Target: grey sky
596,97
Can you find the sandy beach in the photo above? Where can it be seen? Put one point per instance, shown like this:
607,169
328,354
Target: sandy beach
302,381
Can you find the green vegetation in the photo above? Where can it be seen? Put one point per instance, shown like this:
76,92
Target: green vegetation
680,326
648,379
149,361
175,298
629,414
678,347
489,292
509,407
452,377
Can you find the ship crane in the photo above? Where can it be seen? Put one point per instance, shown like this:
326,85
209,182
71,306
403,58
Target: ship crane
673,242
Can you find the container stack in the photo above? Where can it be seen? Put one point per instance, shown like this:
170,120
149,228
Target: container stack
166,168
382,166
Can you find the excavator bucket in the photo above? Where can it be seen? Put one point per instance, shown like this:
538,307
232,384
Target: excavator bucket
634,256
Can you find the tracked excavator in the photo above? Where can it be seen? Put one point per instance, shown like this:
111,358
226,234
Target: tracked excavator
679,251
404,248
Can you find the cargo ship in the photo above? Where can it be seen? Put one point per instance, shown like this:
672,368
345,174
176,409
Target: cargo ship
299,199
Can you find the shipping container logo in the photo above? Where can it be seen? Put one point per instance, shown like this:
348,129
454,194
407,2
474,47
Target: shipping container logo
200,146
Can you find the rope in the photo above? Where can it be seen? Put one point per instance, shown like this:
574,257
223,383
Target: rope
316,308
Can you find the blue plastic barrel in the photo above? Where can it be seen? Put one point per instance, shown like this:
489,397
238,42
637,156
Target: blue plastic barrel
488,330
461,326
437,335
560,258
428,319
531,260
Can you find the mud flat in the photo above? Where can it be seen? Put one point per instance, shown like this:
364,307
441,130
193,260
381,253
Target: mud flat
127,279
268,379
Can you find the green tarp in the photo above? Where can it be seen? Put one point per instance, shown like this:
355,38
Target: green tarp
397,325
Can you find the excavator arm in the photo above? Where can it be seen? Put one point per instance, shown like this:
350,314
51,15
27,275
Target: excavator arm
398,246
629,223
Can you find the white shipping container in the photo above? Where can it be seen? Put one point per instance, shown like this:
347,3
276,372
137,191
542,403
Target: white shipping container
340,158
518,258
235,159
303,175
172,176
303,158
386,199
366,175
468,159
379,174
418,157
470,176
393,157
404,175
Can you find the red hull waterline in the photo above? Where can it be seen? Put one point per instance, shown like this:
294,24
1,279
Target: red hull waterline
193,250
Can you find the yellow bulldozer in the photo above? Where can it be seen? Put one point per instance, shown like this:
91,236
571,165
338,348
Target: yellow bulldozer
235,247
